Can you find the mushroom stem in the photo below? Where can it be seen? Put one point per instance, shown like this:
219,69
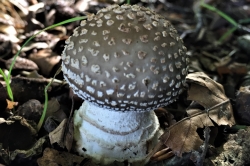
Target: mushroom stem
106,135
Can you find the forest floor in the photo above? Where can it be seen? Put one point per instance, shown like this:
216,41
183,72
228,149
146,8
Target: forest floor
211,116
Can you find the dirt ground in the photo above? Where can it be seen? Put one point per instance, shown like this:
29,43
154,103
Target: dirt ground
206,125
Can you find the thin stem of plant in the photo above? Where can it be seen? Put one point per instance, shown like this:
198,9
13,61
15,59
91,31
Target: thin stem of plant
39,125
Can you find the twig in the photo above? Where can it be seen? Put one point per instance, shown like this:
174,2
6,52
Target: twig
205,146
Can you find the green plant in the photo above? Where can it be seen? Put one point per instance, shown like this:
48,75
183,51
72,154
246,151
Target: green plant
40,123
222,14
7,78
7,81
226,17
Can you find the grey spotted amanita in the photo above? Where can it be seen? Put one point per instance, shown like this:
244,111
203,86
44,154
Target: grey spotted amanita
125,61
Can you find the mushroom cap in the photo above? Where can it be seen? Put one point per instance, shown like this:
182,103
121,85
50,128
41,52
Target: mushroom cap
125,58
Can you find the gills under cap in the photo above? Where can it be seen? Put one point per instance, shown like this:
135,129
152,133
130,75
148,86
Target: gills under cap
125,58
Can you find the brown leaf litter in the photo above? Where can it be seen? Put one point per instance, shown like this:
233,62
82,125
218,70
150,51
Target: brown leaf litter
182,137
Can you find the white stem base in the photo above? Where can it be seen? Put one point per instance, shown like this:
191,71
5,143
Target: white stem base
107,136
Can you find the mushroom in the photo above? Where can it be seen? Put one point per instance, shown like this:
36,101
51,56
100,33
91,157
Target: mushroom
125,61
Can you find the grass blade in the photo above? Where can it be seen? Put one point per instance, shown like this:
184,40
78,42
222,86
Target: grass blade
33,36
40,123
9,91
222,14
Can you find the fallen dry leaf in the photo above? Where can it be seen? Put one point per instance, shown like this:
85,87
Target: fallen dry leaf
63,134
53,109
11,104
56,136
46,60
68,136
54,157
21,63
231,68
182,137
54,115
35,150
211,96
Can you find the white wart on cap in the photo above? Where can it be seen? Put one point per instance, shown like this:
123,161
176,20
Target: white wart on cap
125,58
